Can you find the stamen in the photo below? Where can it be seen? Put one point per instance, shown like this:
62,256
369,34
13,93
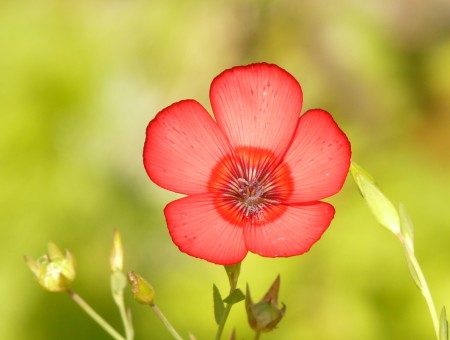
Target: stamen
250,197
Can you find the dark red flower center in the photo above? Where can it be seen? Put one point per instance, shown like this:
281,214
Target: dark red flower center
250,186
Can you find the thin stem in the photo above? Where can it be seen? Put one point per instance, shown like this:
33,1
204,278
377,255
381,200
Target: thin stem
223,320
166,322
94,315
257,335
233,275
126,318
118,284
423,286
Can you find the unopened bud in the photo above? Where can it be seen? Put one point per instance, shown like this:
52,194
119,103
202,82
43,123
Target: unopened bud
142,290
116,259
264,315
383,210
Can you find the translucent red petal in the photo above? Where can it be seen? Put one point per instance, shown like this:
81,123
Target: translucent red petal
200,231
319,157
257,106
182,147
293,233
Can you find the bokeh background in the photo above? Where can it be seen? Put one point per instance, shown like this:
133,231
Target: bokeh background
79,82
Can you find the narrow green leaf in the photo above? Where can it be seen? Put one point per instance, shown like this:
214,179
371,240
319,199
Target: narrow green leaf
411,267
249,306
235,297
443,327
219,307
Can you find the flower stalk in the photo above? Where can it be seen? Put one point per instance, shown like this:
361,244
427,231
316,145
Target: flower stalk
95,316
118,284
119,300
144,293
166,322
421,282
233,272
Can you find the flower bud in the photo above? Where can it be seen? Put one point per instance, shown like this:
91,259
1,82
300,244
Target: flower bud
383,210
142,290
265,315
116,259
54,271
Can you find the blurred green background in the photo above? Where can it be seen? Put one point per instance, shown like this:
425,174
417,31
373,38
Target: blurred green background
79,82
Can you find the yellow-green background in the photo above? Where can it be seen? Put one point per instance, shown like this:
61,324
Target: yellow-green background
80,80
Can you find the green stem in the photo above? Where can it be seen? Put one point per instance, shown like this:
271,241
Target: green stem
257,335
166,322
118,284
126,319
233,272
423,286
223,320
94,315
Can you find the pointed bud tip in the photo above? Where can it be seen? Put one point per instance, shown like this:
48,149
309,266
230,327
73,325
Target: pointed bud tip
272,294
54,252
116,259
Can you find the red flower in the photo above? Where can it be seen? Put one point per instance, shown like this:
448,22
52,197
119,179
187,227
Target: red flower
253,176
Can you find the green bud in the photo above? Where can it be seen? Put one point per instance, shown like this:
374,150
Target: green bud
118,282
264,315
55,271
142,290
116,259
383,210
